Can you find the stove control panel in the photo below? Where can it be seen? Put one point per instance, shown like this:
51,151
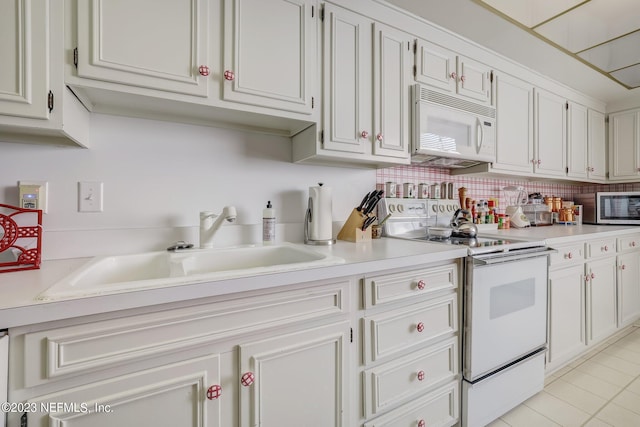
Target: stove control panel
405,208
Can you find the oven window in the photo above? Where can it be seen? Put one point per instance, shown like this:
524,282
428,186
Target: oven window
512,297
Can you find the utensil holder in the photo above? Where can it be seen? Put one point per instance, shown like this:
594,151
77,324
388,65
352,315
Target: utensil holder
351,231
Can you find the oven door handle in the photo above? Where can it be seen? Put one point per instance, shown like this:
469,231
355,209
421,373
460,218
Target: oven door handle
490,259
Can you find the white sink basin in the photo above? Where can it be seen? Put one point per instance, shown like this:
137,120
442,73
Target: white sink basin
121,273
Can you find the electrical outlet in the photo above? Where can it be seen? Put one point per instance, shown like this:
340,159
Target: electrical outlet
90,196
33,195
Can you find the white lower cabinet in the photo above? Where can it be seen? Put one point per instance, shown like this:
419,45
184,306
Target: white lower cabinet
136,399
298,379
594,289
566,314
628,264
272,359
411,372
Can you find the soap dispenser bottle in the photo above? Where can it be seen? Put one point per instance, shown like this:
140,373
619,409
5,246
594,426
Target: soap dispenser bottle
268,224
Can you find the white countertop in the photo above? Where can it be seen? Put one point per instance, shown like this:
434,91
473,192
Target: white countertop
18,290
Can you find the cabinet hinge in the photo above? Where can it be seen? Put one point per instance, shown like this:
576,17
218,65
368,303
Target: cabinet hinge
75,57
415,71
23,420
313,11
566,105
607,175
50,101
415,46
322,137
491,77
351,335
322,13
313,102
567,169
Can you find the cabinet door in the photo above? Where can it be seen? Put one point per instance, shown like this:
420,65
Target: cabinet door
628,288
347,81
624,140
577,141
269,51
24,47
140,44
551,134
173,395
514,134
597,145
298,379
566,314
474,80
392,62
435,66
601,299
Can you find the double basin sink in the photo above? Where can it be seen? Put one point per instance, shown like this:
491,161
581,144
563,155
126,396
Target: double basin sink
122,273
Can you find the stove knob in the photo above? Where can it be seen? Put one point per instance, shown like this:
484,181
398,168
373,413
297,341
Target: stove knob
441,208
400,208
392,208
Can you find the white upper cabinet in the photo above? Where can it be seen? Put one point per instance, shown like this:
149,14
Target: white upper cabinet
597,146
514,133
269,52
140,44
347,82
24,45
440,67
577,141
35,104
392,68
366,79
624,146
550,134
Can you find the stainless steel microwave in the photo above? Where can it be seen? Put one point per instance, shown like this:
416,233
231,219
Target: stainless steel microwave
610,207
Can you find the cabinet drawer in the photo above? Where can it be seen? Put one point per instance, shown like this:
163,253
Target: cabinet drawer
629,243
398,330
439,408
403,286
601,247
567,254
85,348
395,382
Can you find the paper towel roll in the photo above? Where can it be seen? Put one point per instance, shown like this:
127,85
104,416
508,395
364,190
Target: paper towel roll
321,223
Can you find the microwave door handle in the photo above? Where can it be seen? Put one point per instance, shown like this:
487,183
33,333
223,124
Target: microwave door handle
479,136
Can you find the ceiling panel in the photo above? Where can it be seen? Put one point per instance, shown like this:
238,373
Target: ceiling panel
603,34
616,54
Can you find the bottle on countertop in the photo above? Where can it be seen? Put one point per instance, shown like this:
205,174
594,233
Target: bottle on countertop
268,224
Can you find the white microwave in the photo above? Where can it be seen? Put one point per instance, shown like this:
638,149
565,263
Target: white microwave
451,132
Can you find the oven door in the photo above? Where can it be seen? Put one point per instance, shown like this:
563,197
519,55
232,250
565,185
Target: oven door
505,313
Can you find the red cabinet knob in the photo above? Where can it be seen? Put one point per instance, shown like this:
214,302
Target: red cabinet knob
421,375
421,284
229,75
214,392
453,76
623,266
379,137
593,276
203,70
247,379
420,327
422,423
364,134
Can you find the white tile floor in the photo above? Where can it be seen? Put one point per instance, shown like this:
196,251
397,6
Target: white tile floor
598,390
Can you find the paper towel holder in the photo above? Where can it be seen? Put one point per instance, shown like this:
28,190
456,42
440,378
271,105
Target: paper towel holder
307,220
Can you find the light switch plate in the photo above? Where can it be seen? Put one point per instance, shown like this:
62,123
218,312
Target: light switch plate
90,197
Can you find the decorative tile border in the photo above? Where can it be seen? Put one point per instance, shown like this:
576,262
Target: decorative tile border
486,188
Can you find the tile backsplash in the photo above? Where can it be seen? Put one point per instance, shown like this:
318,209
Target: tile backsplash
485,188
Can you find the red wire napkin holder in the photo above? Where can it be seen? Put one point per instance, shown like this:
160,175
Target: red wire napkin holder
20,238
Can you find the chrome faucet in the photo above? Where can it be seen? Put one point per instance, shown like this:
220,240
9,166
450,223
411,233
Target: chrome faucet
208,226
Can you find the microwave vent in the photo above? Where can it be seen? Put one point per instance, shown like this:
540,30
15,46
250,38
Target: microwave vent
453,102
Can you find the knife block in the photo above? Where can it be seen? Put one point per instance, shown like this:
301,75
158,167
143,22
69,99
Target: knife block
351,231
